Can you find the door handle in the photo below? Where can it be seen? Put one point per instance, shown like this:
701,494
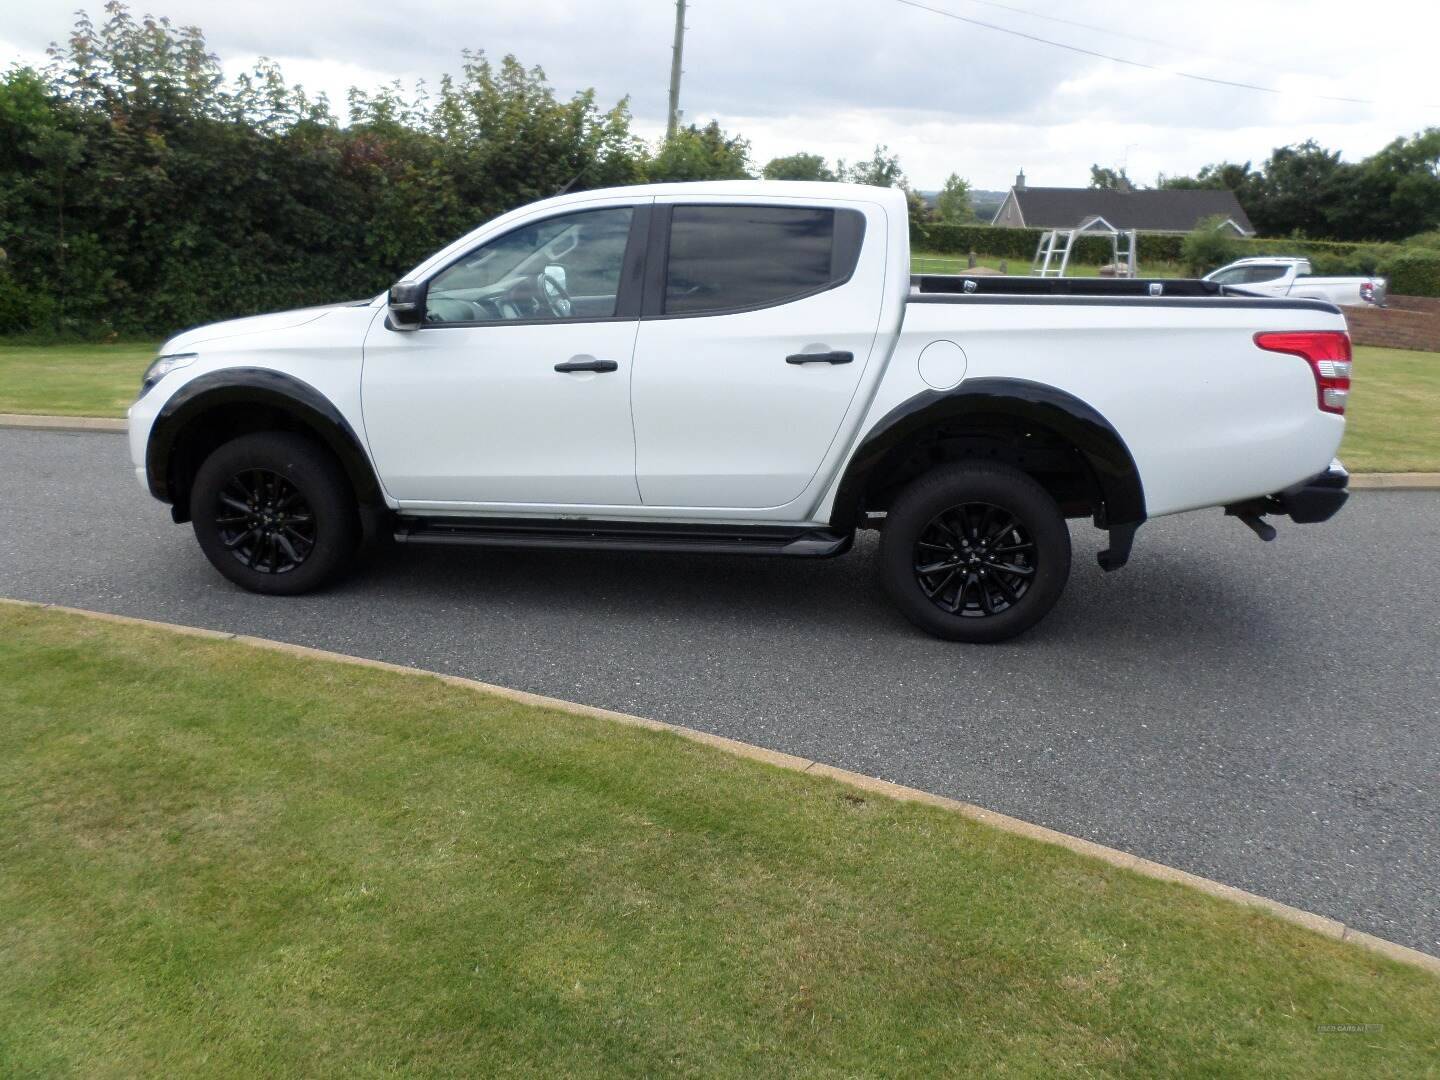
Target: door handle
587,365
820,358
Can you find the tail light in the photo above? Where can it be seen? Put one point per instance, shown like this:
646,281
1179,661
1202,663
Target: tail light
1367,291
1328,354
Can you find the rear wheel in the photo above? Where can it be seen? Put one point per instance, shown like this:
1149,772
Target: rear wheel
974,552
274,512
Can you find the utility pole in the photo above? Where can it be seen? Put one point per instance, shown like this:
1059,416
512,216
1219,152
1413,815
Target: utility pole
677,54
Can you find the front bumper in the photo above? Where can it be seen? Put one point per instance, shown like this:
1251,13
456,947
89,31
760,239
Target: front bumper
1317,499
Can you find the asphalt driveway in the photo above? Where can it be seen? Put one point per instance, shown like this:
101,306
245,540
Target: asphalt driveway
1263,714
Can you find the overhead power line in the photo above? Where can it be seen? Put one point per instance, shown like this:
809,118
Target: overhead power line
1083,26
1122,60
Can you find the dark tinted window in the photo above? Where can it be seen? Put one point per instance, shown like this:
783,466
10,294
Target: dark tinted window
727,257
1250,275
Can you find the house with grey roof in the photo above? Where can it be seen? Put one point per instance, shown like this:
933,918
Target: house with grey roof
1164,210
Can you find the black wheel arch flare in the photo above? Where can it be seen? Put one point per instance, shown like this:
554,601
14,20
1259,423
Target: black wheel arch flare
181,421
1027,402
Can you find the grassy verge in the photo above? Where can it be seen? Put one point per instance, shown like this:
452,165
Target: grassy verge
71,380
221,861
1393,421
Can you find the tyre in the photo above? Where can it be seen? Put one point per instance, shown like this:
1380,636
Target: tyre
974,552
275,513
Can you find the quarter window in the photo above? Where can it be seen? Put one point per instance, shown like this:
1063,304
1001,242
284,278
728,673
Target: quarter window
724,258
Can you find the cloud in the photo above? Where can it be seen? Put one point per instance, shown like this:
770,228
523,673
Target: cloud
838,76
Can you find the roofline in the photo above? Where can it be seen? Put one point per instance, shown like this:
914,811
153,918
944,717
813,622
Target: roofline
1269,259
1246,229
1018,209
811,191
1099,219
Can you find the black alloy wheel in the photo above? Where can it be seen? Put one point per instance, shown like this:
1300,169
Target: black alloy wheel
269,525
275,513
974,551
975,560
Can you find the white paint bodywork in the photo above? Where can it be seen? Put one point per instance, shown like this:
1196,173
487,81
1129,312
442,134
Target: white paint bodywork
704,420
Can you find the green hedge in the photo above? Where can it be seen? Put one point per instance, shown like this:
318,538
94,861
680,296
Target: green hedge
1021,243
1328,256
1413,273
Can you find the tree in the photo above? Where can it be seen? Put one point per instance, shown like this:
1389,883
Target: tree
135,177
798,167
1390,195
953,205
1110,179
1226,176
1212,244
882,170
696,153
1307,190
1293,192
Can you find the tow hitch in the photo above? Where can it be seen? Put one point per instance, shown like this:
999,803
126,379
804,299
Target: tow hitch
1317,499
1254,519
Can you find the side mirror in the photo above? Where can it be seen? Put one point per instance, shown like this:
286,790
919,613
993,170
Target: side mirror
406,305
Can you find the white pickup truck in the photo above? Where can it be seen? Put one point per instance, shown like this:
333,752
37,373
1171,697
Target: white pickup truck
1274,276
748,368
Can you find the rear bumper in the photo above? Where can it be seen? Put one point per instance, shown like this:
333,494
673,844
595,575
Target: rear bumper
1317,499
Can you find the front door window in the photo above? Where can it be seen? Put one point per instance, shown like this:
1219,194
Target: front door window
566,268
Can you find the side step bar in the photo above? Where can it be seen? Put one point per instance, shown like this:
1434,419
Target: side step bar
579,535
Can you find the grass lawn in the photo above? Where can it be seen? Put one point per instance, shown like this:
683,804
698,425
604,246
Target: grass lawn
220,861
71,380
925,262
1393,420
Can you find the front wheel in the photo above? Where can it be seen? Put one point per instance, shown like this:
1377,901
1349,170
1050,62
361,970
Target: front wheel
974,552
274,512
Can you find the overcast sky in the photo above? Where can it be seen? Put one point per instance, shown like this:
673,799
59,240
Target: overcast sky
837,76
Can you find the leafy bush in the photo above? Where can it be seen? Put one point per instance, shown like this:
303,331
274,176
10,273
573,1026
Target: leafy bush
1335,256
140,191
1209,246
1413,273
1428,241
1365,259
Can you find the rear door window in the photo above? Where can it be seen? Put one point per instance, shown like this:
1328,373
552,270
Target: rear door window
734,258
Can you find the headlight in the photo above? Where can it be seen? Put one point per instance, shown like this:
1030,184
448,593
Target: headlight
162,366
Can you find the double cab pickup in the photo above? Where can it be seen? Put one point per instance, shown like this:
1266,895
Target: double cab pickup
744,368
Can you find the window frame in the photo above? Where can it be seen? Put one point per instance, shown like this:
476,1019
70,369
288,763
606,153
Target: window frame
657,262
628,296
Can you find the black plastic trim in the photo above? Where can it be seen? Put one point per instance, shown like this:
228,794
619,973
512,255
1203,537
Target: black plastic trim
657,260
632,270
256,387
1228,301
577,535
1317,499
588,365
1097,440
836,357
1014,285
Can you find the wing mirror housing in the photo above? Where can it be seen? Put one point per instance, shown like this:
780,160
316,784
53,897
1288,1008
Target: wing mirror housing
406,305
